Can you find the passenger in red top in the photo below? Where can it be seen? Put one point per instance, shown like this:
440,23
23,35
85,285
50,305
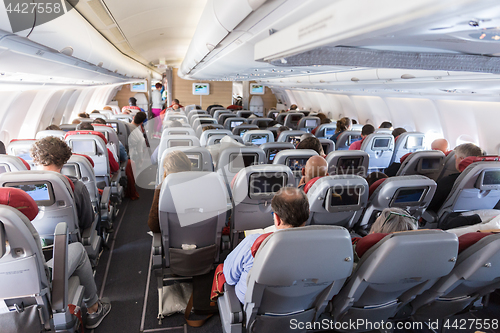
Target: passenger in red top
365,131
132,105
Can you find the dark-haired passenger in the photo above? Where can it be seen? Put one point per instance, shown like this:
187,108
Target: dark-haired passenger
132,105
52,128
291,210
365,131
386,124
313,143
343,124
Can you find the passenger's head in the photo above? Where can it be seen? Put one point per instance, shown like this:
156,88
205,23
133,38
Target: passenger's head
50,153
158,86
313,143
52,128
139,118
393,220
175,106
206,128
83,115
174,162
293,107
175,101
99,121
282,129
107,108
290,207
398,131
316,166
367,130
321,116
175,123
465,150
76,121
343,124
84,126
386,124
440,144
354,121
95,111
374,176
325,121
132,101
2,148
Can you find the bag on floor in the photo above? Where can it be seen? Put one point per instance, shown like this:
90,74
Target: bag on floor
176,298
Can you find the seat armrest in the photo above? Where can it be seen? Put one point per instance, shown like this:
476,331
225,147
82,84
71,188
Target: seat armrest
233,305
429,216
105,197
59,268
87,233
157,251
116,178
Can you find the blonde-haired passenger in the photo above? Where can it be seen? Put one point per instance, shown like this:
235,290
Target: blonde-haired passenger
174,162
394,220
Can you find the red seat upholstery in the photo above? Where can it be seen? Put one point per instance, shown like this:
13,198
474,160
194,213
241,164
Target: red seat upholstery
87,157
403,158
70,183
258,243
22,140
105,125
310,183
19,200
365,243
99,134
374,186
469,239
24,162
473,159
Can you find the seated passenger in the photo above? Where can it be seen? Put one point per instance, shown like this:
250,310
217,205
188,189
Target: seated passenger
52,128
123,152
397,132
139,119
174,162
112,158
2,148
394,220
393,169
375,176
206,128
440,144
51,153
323,120
96,111
83,115
343,124
316,166
294,107
132,105
445,184
78,264
281,129
313,143
76,121
291,210
365,131
386,124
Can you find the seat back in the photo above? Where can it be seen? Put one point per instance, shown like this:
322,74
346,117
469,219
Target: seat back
67,127
326,130
93,145
10,163
121,129
233,159
123,117
427,163
199,130
195,122
391,271
232,122
292,136
280,118
217,113
192,210
346,138
81,167
211,110
261,122
449,165
328,146
224,116
57,134
380,148
307,124
287,283
412,193
219,133
98,115
21,148
477,187
25,283
295,159
408,142
258,137
53,193
383,130
240,130
178,131
194,113
252,190
292,119
200,157
352,162
181,117
476,273
177,141
337,200
244,113
272,148
110,135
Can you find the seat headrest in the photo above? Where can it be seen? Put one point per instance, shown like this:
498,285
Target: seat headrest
87,157
19,200
448,152
70,183
310,183
24,162
404,157
14,140
258,242
374,186
467,240
473,159
104,125
99,134
365,243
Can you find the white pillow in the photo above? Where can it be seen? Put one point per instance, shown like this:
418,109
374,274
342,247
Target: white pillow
492,224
